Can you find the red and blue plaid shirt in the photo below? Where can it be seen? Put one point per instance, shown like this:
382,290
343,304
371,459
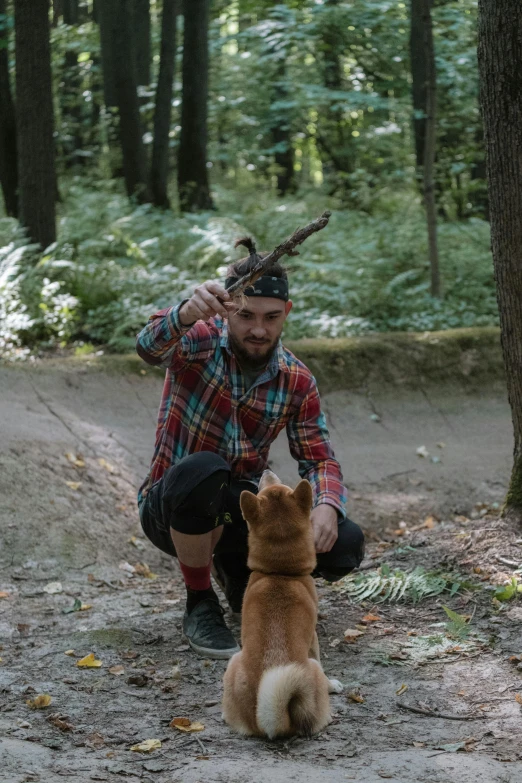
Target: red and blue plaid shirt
205,406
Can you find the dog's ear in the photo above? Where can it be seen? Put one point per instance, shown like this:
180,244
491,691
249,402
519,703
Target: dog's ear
303,495
249,506
268,479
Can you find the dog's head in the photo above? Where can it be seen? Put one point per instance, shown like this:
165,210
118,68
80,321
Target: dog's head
280,535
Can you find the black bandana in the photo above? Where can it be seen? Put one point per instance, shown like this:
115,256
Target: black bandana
275,287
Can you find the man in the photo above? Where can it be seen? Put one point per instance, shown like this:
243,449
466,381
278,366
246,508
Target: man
230,388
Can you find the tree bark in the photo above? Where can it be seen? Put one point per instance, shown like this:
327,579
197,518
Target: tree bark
193,185
280,123
107,11
133,150
500,65
8,161
141,29
71,106
35,122
160,150
419,79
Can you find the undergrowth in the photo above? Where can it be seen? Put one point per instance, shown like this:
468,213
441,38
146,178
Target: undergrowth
114,265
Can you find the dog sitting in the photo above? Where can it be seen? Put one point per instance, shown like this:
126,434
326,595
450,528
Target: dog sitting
275,686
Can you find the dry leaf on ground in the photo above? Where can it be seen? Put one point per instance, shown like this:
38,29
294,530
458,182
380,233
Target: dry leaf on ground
76,460
185,724
107,465
60,723
356,697
89,662
74,484
95,740
371,618
53,587
352,634
143,570
116,670
4,594
147,745
39,702
518,698
402,689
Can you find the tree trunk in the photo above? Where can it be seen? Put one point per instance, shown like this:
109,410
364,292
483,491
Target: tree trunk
423,62
107,11
160,150
193,186
57,12
133,150
281,134
8,162
419,79
141,28
34,114
500,64
71,97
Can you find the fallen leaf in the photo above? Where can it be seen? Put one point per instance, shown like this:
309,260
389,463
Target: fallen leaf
60,723
185,724
401,690
4,594
69,652
107,465
85,607
135,541
95,740
399,656
74,484
39,702
352,634
371,618
451,747
117,670
419,744
147,745
518,698
76,460
77,605
143,570
423,452
129,655
53,587
356,697
89,662
461,693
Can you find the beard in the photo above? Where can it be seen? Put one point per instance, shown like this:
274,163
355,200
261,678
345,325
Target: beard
252,360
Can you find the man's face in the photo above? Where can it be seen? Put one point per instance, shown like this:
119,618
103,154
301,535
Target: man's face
255,330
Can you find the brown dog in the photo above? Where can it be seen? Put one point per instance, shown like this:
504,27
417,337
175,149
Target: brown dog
275,686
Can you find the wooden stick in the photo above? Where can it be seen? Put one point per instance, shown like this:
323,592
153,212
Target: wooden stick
285,248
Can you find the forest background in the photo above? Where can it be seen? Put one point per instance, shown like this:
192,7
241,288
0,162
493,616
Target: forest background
168,129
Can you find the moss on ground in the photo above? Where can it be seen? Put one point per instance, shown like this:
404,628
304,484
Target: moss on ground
468,356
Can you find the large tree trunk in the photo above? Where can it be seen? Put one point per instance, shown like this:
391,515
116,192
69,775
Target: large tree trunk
133,150
160,150
500,63
8,162
34,113
141,29
194,191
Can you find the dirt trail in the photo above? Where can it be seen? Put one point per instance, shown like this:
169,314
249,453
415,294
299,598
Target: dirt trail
76,524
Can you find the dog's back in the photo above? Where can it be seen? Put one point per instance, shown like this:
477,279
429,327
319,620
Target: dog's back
275,686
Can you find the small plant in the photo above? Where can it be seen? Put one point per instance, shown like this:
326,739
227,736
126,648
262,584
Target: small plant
458,624
387,585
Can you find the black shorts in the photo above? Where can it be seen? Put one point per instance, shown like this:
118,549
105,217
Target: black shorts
198,494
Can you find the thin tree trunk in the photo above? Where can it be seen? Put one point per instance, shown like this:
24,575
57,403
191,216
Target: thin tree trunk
280,124
500,64
133,149
34,114
141,29
193,186
419,79
8,162
107,12
71,106
57,12
160,150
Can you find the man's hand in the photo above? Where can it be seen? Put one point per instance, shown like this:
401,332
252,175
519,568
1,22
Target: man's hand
324,523
204,303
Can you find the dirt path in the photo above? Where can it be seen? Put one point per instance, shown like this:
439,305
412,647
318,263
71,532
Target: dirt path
77,525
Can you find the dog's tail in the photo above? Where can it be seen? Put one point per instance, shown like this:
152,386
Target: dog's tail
287,700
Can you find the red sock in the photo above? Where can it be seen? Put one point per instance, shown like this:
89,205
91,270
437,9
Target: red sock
196,577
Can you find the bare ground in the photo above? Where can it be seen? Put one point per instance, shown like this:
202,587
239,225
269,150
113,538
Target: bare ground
79,534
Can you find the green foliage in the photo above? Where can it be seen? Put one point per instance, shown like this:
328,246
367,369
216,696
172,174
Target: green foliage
386,585
509,591
113,266
458,624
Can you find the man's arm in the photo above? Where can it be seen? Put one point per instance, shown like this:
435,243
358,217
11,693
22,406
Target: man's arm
309,442
164,339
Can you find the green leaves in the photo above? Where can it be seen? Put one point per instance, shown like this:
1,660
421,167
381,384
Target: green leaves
387,585
509,591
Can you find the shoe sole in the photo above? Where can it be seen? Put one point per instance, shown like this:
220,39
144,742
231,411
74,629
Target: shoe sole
209,652
213,570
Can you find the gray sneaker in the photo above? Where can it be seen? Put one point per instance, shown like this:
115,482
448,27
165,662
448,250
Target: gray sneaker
207,632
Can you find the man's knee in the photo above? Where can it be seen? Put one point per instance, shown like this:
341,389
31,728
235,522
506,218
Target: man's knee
346,554
194,493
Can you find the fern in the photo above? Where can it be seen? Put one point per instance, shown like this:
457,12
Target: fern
393,586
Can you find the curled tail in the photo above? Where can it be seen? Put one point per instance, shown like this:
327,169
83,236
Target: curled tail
287,701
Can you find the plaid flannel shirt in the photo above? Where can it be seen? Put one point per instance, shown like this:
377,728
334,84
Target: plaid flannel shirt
205,406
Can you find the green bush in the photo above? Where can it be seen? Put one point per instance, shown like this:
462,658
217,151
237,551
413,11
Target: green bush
113,266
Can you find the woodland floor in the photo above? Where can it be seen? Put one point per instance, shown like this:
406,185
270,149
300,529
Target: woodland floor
78,525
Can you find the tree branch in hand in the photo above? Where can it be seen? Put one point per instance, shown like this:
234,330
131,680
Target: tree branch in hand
286,248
